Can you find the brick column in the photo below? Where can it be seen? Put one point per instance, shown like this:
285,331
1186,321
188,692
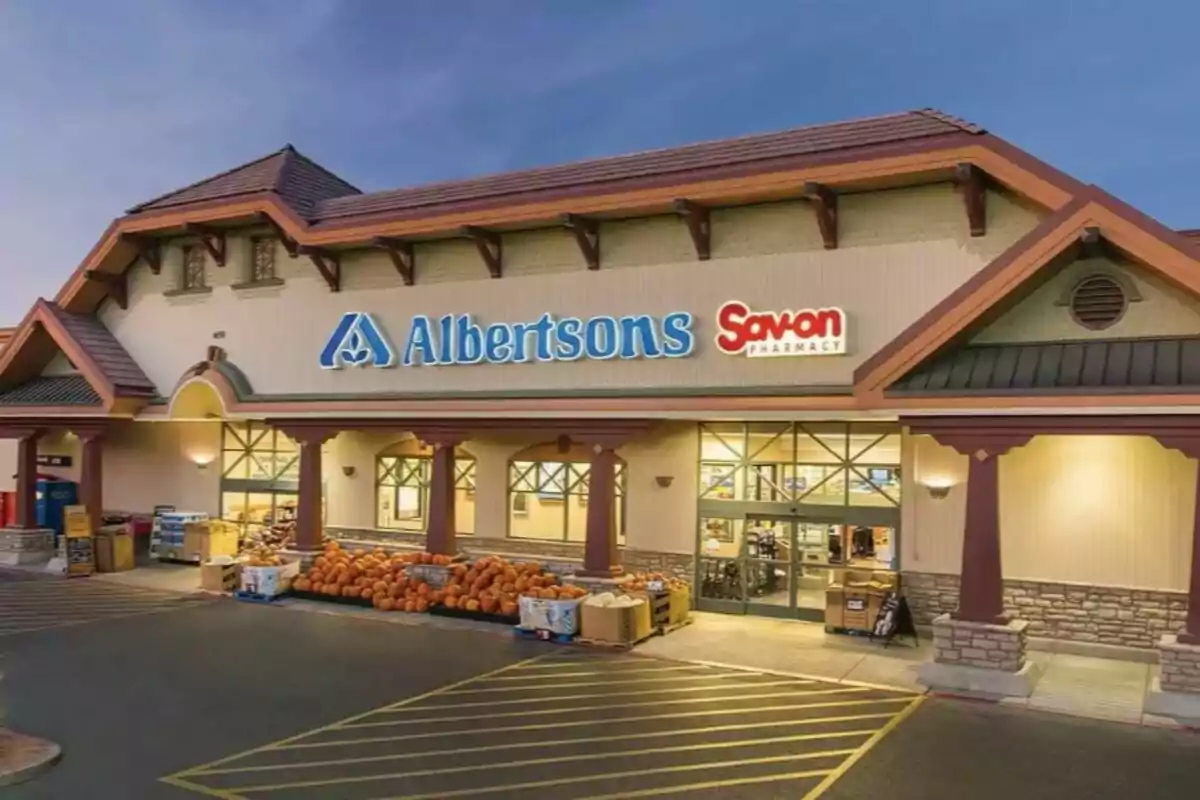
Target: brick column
1191,630
91,481
600,555
27,452
309,524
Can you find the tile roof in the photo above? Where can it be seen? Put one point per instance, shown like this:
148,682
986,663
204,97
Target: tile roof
298,180
58,390
319,196
103,348
1109,364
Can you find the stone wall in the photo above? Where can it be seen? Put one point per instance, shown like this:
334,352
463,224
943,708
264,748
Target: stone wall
1074,612
976,644
676,565
18,546
1180,664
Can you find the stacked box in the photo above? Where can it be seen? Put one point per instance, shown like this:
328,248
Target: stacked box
170,531
556,616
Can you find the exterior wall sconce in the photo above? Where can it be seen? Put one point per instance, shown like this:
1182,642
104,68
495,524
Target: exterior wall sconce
664,480
349,471
202,461
939,489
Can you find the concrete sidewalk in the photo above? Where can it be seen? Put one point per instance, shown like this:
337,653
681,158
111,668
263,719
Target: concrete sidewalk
1083,686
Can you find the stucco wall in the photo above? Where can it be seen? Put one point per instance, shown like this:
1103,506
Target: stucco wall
1162,310
900,252
1095,510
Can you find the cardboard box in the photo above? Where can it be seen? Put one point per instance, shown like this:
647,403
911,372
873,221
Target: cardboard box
204,540
835,607
556,616
269,581
114,549
220,577
681,606
617,625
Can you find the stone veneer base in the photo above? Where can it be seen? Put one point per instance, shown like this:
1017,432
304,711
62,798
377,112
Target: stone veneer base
1179,666
978,681
1084,613
1183,707
19,546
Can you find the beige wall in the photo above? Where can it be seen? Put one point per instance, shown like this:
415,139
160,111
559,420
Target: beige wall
1162,311
900,252
1104,510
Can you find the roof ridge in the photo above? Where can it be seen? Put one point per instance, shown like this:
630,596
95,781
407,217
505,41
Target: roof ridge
290,153
209,179
674,149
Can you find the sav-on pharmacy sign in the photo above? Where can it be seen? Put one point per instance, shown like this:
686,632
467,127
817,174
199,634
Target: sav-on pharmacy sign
360,340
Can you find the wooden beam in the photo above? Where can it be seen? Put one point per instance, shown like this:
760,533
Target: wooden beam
490,248
587,236
213,240
824,204
327,263
402,255
699,225
1091,243
289,244
972,182
149,250
116,285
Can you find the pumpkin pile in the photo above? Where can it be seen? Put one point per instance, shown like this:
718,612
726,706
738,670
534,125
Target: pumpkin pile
638,581
262,557
491,585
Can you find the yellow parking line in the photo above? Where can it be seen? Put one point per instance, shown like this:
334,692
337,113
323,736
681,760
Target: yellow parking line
833,777
551,662
577,709
601,722
175,780
281,743
572,685
60,611
73,622
591,695
558,675
539,784
696,787
337,762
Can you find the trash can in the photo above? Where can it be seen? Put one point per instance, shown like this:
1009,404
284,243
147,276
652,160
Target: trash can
114,549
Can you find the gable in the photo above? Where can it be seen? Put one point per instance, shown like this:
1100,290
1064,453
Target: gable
59,366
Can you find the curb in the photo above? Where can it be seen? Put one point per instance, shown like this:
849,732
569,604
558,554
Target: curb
25,757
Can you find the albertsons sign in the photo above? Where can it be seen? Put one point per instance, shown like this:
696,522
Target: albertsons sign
455,339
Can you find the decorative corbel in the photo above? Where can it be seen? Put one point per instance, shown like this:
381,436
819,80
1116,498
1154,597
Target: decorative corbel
972,182
699,225
117,286
824,204
148,249
490,248
289,244
327,263
213,240
402,255
587,236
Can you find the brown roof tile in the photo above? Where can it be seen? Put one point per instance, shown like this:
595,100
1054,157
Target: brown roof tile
107,353
799,142
298,180
56,390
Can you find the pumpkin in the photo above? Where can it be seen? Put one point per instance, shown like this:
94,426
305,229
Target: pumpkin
302,584
423,589
437,596
394,591
487,604
332,589
508,609
410,606
379,586
316,586
472,605
470,577
451,601
422,606
367,594
386,604
548,594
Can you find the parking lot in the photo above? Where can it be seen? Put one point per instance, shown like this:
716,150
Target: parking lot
597,726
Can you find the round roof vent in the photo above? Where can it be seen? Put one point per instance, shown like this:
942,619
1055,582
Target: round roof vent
1098,301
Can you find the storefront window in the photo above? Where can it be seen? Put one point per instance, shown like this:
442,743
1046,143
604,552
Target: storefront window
260,473
548,495
402,489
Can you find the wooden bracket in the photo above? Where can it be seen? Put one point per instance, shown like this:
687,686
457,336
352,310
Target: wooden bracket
824,204
1091,243
289,244
213,240
116,285
587,236
149,250
490,248
402,255
972,182
699,225
327,263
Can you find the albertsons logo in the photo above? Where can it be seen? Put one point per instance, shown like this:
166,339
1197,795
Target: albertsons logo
358,341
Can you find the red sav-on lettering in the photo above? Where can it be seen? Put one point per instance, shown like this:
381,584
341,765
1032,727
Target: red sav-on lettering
785,333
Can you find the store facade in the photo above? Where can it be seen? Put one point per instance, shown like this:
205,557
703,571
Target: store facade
897,345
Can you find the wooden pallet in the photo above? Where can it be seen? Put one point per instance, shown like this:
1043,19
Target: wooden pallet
663,630
543,636
615,646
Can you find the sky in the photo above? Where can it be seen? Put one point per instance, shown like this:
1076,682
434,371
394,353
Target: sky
104,105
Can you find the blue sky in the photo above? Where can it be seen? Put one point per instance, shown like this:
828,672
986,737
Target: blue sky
106,104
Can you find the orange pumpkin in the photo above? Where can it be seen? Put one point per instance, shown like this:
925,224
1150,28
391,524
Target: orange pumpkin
487,604
451,601
302,584
473,605
387,604
422,606
423,589
410,606
508,609
316,586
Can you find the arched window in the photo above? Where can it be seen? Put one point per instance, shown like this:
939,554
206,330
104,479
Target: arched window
402,487
548,494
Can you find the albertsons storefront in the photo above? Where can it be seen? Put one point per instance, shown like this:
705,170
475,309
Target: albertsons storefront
898,345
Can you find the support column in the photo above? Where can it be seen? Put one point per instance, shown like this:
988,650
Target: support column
91,481
1191,630
981,582
600,556
441,536
27,451
309,525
